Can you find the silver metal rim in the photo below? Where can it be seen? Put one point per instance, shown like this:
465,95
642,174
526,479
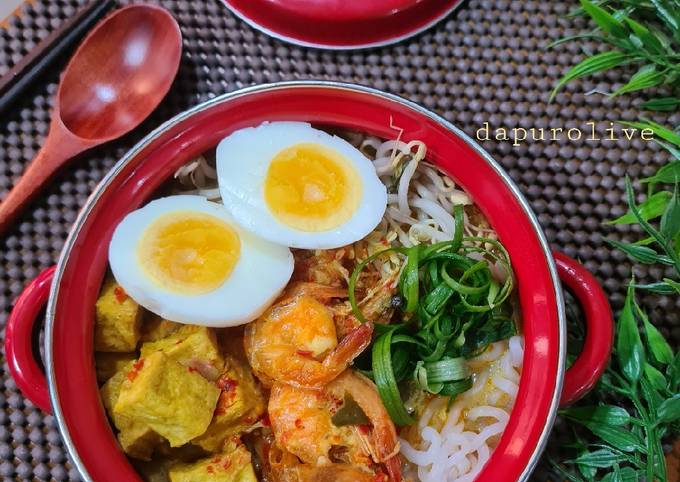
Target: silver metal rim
369,45
113,173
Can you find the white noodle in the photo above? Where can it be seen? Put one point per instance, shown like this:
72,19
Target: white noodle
458,451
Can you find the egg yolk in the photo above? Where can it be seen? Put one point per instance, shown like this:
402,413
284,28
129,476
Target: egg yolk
311,187
189,252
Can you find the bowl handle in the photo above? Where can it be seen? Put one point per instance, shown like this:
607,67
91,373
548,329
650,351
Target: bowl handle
597,346
26,372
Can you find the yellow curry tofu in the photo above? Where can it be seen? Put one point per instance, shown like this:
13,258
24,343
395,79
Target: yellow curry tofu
155,328
174,400
192,344
234,465
136,438
110,363
118,318
240,405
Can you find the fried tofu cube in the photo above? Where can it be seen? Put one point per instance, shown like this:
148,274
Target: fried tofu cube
111,389
110,363
174,400
233,465
155,470
136,438
155,328
240,405
191,345
117,319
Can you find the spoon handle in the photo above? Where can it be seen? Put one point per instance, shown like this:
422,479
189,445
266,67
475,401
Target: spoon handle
51,157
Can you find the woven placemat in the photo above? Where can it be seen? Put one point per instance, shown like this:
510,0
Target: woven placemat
486,63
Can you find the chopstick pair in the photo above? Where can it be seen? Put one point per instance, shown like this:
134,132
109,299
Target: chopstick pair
30,69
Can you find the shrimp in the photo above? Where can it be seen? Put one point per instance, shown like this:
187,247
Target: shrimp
331,473
383,434
301,419
330,267
295,341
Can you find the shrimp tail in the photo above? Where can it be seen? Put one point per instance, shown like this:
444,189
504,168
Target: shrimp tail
393,466
348,349
387,446
317,291
384,434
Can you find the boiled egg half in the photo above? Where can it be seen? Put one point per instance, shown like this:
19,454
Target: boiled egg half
185,259
295,185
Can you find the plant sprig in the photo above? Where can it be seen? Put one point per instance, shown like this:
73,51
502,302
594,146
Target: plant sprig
661,207
645,372
642,33
636,404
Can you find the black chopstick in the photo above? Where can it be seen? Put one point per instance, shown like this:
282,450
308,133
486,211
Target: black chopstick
30,68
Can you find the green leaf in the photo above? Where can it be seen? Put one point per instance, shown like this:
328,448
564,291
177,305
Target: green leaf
651,208
674,150
656,343
659,287
602,459
604,414
643,33
604,19
616,475
673,284
644,242
587,471
591,65
629,475
670,220
669,410
673,372
643,254
658,129
617,437
672,257
629,349
655,377
666,174
651,395
662,104
665,14
644,78
563,471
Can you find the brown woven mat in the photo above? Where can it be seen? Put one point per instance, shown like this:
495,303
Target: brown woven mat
487,62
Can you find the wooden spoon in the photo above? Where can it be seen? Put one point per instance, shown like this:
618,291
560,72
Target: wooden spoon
116,78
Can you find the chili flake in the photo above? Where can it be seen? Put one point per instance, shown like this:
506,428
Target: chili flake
120,294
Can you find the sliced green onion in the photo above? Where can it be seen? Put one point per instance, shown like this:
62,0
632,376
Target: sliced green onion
447,370
453,307
459,287
454,389
385,381
410,281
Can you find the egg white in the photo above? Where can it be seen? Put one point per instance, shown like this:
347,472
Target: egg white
261,272
243,159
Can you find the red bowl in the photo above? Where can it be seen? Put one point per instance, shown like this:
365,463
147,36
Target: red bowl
133,180
341,24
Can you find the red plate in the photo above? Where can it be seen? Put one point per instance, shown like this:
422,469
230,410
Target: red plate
341,24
